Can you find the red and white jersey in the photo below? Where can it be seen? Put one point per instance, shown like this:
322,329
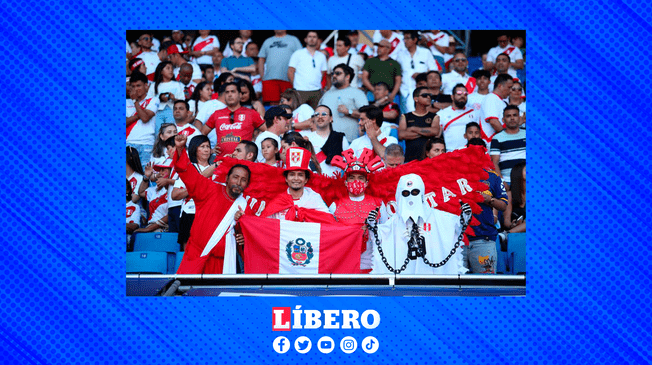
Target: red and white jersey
475,100
187,130
205,44
362,48
188,206
441,39
158,203
514,53
492,107
135,180
140,132
453,125
360,143
449,80
396,40
133,212
229,131
151,61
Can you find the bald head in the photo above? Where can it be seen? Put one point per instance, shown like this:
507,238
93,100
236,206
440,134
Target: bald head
185,73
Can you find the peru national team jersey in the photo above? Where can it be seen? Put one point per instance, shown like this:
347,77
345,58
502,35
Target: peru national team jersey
229,134
453,125
189,131
133,213
140,132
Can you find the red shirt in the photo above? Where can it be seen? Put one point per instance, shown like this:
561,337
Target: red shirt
229,134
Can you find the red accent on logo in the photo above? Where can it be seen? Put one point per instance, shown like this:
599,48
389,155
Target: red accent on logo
130,211
427,227
281,318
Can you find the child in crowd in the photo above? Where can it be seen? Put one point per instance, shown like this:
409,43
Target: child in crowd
270,152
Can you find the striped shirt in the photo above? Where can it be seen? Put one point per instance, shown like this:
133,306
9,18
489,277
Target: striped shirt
511,148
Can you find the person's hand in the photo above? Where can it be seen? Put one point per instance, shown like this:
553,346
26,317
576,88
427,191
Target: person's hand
372,130
381,101
487,197
149,169
373,216
171,97
239,239
180,144
217,149
238,214
466,211
343,109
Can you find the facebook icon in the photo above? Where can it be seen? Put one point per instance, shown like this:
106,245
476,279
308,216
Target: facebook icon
281,344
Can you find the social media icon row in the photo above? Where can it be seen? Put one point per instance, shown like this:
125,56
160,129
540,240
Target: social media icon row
325,345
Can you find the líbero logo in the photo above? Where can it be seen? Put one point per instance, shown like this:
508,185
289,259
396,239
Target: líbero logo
286,319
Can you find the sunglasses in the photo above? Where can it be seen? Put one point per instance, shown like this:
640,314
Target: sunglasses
412,64
516,89
407,193
426,95
463,93
323,114
231,117
313,63
460,60
338,73
145,38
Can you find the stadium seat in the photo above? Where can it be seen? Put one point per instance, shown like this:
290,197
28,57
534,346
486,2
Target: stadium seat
150,262
179,258
157,242
501,261
516,252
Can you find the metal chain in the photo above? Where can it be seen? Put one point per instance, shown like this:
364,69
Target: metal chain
460,238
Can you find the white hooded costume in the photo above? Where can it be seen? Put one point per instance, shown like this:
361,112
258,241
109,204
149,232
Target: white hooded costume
440,230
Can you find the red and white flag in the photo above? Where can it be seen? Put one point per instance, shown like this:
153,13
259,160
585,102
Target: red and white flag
275,246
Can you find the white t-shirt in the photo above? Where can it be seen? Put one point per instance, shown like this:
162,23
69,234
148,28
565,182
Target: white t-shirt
173,87
151,61
140,132
356,63
133,213
208,44
187,130
421,61
310,200
514,55
454,133
449,80
259,140
396,40
318,142
475,100
360,143
135,180
206,109
441,39
196,72
302,113
188,205
492,107
308,74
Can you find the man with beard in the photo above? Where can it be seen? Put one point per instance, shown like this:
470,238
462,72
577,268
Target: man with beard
453,120
416,127
458,75
502,67
326,142
234,123
355,208
306,69
345,101
211,234
439,100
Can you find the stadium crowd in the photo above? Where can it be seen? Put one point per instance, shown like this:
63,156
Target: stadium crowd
405,95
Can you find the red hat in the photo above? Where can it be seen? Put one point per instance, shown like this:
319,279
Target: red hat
177,48
297,158
356,167
167,164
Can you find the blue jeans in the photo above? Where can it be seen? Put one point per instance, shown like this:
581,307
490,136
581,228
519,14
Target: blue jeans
144,152
480,256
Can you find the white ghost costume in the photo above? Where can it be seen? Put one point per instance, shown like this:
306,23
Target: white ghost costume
440,230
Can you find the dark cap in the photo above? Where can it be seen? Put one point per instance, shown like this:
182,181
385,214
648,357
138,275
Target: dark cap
276,111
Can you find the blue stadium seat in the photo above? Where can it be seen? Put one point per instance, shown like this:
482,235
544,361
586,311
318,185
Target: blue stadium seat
501,261
149,262
179,258
516,252
157,241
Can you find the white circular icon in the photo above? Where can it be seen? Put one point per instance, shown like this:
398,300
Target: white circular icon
281,344
370,344
302,344
348,345
326,345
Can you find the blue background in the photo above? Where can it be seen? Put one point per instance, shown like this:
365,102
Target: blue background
63,286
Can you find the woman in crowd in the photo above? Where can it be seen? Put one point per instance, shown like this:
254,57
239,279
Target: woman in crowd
200,96
248,97
159,152
199,152
135,173
434,147
517,97
301,113
167,90
514,217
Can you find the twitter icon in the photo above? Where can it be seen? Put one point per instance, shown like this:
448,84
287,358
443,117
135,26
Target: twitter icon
302,344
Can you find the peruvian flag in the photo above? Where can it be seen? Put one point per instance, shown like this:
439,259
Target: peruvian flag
275,246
